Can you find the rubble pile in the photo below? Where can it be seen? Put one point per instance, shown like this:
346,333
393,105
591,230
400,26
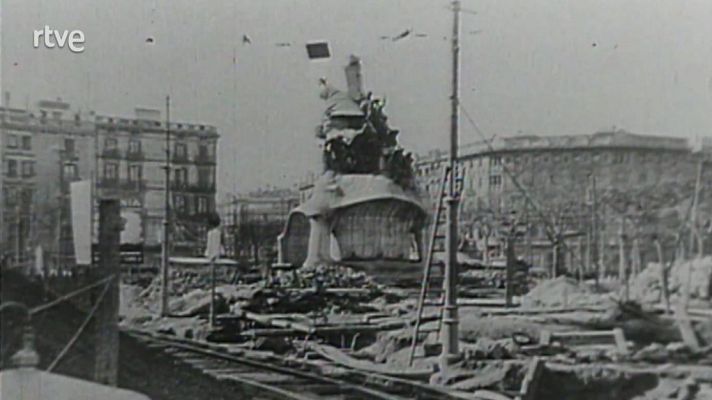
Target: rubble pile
322,276
563,292
647,286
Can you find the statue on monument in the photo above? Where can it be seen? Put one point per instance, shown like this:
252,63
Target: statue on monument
356,137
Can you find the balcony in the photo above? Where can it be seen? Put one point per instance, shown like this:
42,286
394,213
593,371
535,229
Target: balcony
121,185
204,159
180,158
182,186
179,186
202,188
134,155
111,153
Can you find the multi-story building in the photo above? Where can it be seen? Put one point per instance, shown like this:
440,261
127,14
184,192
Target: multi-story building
549,182
41,149
18,183
47,147
131,165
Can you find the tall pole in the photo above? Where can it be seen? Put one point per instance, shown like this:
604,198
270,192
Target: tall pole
622,267
594,236
106,359
165,245
450,318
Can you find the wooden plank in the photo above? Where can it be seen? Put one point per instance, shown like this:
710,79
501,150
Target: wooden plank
683,323
531,380
616,335
621,343
337,356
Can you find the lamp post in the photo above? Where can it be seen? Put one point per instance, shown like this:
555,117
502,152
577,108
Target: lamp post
450,337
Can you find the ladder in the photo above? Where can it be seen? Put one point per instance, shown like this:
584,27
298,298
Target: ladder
436,237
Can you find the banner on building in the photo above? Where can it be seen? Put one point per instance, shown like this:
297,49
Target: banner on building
81,205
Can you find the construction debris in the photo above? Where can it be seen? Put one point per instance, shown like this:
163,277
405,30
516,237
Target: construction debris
563,292
647,286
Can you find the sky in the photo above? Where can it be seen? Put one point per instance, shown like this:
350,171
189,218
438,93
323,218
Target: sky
546,67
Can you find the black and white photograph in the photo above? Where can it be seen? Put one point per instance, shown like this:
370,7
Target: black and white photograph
345,200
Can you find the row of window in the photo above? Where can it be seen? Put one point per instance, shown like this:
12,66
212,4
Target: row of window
180,149
181,203
23,142
134,172
18,196
612,157
179,178
17,168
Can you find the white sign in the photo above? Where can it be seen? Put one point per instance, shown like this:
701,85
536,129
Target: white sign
212,250
80,193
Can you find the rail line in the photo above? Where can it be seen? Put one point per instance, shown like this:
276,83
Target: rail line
277,377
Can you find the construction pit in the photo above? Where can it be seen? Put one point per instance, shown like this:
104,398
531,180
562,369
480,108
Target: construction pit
563,339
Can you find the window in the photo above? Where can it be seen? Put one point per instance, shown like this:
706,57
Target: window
495,181
180,176
202,206
111,144
205,177
181,150
11,168
12,141
26,143
135,173
27,195
69,146
179,202
203,151
111,171
134,146
28,169
495,161
10,196
70,172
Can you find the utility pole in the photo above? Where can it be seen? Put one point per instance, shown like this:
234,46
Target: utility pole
450,351
165,248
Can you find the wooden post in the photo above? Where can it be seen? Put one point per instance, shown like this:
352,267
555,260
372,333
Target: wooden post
663,276
106,361
511,262
622,276
212,292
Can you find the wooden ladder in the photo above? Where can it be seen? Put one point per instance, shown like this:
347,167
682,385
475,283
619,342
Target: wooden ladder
436,237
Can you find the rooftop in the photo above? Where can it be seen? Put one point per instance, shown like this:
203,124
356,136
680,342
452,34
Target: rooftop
610,139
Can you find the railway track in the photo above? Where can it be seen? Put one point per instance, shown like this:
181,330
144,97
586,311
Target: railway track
276,377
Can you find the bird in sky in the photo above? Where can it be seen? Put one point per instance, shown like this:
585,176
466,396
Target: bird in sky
402,35
283,44
246,39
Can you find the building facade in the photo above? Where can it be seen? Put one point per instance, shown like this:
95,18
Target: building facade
131,166
46,148
557,185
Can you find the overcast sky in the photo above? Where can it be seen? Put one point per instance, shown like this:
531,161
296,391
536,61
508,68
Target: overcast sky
528,66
